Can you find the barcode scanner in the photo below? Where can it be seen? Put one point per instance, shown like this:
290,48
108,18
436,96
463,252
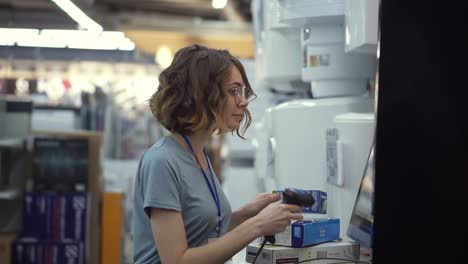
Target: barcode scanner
290,196
296,197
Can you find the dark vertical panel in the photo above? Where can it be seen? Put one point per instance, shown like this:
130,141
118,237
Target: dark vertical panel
421,140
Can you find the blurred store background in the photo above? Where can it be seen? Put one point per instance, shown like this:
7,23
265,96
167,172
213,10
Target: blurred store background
75,77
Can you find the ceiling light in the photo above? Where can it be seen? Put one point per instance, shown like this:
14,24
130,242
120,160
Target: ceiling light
39,41
218,4
79,16
56,38
126,44
164,56
6,42
9,36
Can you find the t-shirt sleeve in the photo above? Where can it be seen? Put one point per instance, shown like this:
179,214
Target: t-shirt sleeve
161,186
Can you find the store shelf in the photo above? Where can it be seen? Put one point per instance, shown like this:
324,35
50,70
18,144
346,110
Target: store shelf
9,194
11,143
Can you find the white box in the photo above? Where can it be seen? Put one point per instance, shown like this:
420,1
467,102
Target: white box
279,254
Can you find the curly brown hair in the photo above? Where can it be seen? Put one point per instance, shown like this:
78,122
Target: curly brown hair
190,95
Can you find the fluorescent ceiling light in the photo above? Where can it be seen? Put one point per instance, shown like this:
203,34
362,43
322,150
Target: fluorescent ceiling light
6,42
218,4
39,41
79,16
95,45
8,36
126,44
18,32
55,38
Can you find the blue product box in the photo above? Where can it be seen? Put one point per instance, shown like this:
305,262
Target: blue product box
56,217
47,252
310,232
320,205
66,252
29,216
37,213
25,252
75,214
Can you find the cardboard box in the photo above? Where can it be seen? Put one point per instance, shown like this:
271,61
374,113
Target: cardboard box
112,223
95,185
320,205
6,241
309,232
279,254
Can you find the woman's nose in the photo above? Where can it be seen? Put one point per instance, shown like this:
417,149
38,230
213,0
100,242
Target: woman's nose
242,102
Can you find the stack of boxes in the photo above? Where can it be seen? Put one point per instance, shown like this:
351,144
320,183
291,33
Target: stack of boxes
325,253
54,228
60,219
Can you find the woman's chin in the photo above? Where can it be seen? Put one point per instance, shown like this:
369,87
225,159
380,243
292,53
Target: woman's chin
233,126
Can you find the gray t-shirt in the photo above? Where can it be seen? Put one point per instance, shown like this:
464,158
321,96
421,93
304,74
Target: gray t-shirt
169,178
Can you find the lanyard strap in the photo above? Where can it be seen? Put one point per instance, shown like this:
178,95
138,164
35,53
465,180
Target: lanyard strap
213,191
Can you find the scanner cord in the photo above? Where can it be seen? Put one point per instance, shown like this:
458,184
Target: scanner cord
259,250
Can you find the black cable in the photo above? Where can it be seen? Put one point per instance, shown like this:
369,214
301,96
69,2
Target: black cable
259,250
350,260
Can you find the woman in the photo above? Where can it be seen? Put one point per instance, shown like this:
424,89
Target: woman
181,214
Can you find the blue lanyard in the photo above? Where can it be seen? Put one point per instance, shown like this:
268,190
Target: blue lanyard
213,191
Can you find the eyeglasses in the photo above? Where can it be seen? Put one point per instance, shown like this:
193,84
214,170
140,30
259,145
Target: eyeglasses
239,91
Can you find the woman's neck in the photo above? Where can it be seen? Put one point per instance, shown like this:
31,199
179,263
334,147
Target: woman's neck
197,139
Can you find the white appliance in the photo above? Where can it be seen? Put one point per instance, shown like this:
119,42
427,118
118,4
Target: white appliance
361,25
264,149
340,80
355,133
329,69
299,132
278,58
339,83
326,66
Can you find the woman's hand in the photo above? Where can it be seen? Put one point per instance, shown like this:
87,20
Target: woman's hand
252,208
261,201
275,218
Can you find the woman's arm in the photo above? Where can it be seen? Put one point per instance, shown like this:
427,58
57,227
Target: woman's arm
238,217
169,234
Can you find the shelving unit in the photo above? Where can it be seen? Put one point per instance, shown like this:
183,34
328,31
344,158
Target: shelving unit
11,143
